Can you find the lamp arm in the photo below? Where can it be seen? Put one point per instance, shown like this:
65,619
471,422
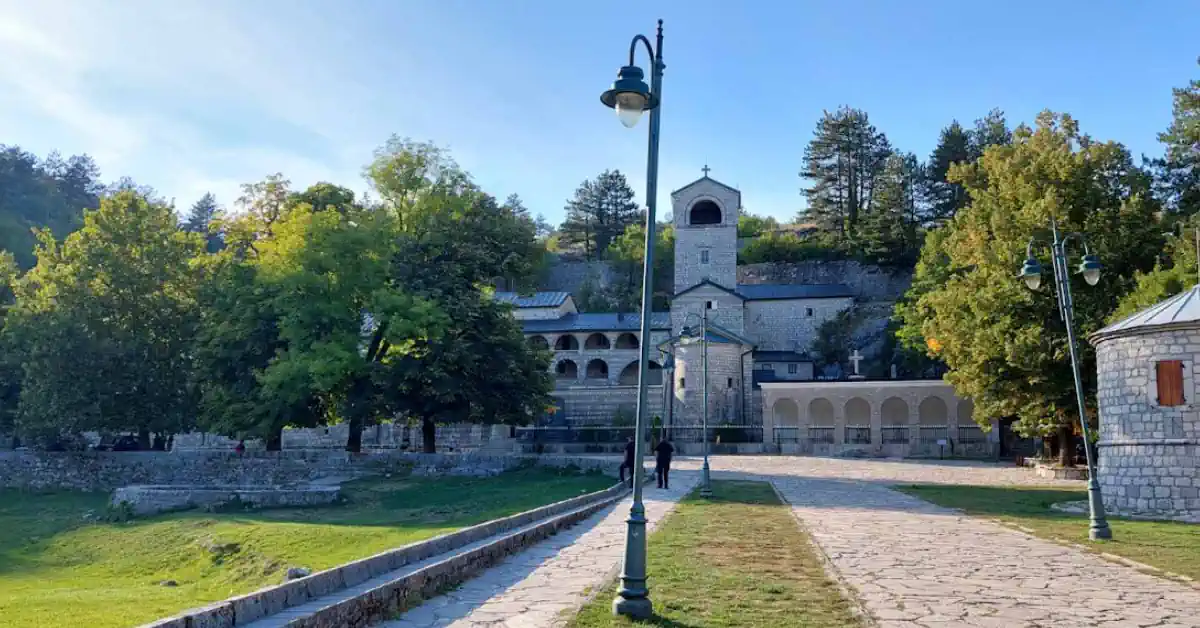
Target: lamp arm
1032,241
649,49
1087,249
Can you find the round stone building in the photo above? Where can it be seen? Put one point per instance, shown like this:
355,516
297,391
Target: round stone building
1150,409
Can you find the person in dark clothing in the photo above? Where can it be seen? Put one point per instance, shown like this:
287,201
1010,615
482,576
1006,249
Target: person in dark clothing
662,460
628,463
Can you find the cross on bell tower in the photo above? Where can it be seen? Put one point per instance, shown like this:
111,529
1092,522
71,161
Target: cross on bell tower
705,169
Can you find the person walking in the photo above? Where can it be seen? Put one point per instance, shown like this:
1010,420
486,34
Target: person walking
628,463
662,462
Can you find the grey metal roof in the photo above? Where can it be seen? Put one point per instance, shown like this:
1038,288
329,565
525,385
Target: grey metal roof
597,322
537,299
780,356
767,291
1181,310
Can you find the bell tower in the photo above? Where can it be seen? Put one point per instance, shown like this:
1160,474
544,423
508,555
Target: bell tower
706,217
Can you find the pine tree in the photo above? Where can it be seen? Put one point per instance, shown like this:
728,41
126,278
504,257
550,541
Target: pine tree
946,198
842,162
888,235
1179,170
599,213
200,218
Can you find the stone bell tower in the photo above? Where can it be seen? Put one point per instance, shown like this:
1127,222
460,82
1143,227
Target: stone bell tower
706,218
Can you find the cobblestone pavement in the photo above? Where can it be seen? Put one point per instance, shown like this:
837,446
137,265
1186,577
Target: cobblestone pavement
917,565
912,564
532,589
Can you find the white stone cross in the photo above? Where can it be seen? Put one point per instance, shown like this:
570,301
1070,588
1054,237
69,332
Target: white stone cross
856,357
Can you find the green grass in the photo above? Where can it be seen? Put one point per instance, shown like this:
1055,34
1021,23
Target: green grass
1168,545
737,560
57,569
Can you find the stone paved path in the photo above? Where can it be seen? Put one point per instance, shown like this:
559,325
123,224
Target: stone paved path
532,589
912,564
915,565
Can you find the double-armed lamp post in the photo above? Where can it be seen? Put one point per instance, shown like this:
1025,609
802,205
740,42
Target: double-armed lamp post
1089,267
630,96
705,481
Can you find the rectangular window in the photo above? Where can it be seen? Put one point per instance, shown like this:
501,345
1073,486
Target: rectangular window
729,382
1170,383
704,256
765,367
681,383
793,369
808,312
710,305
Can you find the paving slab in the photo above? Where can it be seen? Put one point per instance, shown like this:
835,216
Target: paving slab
535,588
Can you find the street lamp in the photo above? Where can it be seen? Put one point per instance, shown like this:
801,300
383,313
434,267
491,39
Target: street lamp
705,482
1089,267
630,96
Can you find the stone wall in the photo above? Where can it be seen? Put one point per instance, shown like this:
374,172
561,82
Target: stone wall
1149,458
149,500
869,282
106,471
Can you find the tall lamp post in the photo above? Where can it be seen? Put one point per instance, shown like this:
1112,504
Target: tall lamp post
705,480
630,97
1089,267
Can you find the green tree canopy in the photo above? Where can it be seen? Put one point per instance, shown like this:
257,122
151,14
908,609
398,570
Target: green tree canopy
103,324
1005,345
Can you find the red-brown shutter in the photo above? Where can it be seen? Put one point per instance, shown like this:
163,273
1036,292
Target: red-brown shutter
1170,383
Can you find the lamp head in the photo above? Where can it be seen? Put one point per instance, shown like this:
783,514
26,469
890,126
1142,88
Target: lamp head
1031,272
1089,267
629,96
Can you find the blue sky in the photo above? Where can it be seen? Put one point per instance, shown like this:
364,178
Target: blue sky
202,96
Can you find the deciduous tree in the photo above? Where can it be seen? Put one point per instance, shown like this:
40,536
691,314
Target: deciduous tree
1005,345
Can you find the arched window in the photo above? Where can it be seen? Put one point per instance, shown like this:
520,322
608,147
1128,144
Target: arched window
629,374
705,212
566,369
627,341
566,342
538,342
597,369
932,411
894,411
786,413
820,412
596,341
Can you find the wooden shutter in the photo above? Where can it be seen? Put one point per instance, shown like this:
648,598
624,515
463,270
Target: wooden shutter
1170,383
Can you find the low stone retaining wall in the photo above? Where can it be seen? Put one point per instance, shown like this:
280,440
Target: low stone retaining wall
384,601
107,471
149,500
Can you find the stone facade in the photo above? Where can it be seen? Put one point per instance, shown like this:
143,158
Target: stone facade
1149,460
790,324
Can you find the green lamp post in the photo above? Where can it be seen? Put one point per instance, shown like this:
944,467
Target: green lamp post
1089,267
629,97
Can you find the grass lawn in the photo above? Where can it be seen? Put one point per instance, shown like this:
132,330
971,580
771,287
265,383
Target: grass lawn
58,570
1171,546
737,560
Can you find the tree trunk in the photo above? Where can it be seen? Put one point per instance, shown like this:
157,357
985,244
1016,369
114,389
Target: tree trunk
144,439
275,440
428,436
354,439
1066,446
